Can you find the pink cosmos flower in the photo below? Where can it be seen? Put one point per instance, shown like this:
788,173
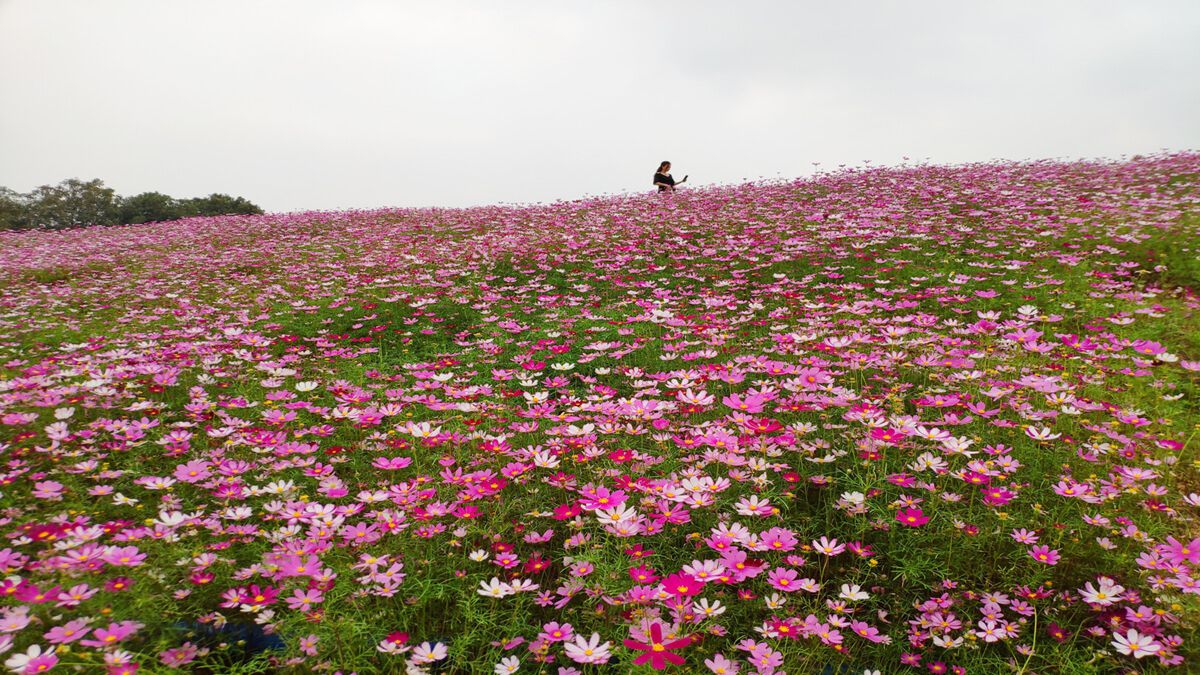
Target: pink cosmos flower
912,517
784,579
1179,553
391,463
747,404
643,574
124,556
556,632
182,655
779,539
827,546
49,490
764,658
394,643
682,585
303,600
114,634
14,619
1024,536
254,595
602,498
194,471
68,632
657,653
719,664
1044,554
869,632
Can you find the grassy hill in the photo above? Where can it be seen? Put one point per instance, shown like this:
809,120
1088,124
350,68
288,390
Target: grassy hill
907,420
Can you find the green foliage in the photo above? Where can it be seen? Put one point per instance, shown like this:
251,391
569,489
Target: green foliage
12,209
1174,259
149,207
74,203
218,204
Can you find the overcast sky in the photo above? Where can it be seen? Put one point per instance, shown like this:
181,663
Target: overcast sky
358,104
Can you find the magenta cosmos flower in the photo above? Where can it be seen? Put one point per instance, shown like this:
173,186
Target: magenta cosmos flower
682,585
657,653
911,517
1044,554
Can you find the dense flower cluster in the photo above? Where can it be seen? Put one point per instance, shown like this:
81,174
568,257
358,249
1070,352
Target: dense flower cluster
921,419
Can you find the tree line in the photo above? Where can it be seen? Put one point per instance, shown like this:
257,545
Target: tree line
74,203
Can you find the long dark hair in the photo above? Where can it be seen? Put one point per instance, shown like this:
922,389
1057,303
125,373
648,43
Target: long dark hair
663,166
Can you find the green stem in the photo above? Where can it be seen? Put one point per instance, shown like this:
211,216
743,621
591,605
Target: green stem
1032,648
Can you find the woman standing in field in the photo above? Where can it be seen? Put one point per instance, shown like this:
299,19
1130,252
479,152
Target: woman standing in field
663,179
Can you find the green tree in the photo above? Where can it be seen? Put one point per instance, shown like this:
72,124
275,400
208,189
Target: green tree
149,207
218,204
73,202
13,214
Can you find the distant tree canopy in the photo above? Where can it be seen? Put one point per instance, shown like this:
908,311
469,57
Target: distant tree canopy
73,203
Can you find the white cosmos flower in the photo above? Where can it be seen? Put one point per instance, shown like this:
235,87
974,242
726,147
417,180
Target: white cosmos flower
280,487
853,592
946,642
508,664
522,586
422,430
620,514
1135,644
775,601
584,650
428,653
172,518
1041,434
494,588
1105,595
573,430
545,459
18,661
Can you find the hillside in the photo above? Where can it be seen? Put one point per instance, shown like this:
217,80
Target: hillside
927,419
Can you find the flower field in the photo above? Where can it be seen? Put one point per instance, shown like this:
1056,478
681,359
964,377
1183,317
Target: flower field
910,420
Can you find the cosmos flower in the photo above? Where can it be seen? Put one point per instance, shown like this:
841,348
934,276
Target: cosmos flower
32,660
911,517
588,650
1132,643
1044,554
657,652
